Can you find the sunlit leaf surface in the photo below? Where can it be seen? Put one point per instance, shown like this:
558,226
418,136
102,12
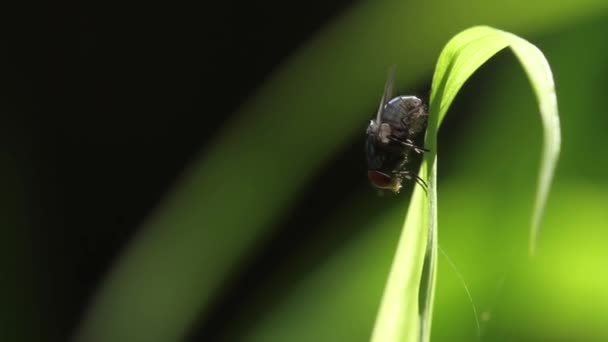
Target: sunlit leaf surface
406,309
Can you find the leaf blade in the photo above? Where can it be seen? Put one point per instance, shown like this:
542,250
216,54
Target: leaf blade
538,70
460,58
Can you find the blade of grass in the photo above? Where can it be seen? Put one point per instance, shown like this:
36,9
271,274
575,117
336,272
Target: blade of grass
539,72
413,273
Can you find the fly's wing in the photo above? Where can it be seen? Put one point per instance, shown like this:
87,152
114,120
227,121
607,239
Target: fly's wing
388,92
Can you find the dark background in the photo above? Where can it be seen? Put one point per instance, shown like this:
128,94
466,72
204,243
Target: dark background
105,104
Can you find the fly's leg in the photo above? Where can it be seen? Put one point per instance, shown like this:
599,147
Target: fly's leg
409,175
409,143
412,176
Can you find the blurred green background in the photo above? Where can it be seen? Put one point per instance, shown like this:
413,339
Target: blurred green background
197,173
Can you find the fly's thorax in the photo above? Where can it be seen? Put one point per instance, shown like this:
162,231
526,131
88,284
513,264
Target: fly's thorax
384,157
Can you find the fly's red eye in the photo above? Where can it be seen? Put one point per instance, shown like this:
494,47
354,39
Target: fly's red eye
380,180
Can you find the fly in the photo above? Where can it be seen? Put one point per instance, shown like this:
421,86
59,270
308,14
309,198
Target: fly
391,144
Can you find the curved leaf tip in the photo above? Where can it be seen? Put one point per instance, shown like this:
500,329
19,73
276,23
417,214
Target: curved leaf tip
401,316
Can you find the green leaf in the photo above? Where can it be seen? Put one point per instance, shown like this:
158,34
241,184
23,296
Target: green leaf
406,308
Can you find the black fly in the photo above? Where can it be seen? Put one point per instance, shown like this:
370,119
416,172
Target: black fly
392,139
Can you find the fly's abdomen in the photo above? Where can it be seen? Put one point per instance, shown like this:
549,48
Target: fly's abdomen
406,115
